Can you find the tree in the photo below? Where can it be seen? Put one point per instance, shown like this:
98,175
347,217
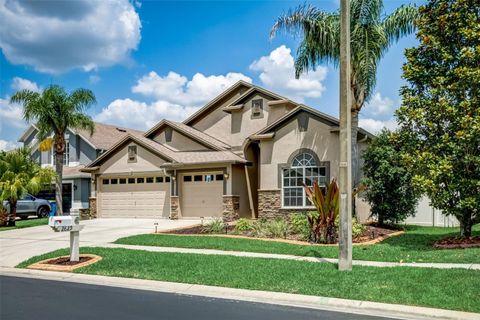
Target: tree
389,183
20,175
371,36
54,110
440,114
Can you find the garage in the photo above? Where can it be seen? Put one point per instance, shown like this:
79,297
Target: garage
134,197
201,194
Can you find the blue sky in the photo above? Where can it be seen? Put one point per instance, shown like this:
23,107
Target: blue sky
147,60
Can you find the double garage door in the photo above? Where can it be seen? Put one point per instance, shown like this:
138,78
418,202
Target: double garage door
134,197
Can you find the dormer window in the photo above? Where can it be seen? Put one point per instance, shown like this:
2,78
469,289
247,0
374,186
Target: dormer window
132,153
257,108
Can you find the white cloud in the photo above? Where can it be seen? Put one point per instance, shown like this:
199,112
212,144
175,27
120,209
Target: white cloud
21,84
8,145
375,126
57,36
175,88
379,106
140,115
12,115
278,74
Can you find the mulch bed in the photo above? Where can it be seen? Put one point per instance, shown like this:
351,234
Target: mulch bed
65,261
371,233
456,243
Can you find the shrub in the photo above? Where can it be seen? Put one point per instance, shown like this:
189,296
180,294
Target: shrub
322,222
299,225
357,228
215,226
243,225
278,228
3,216
259,228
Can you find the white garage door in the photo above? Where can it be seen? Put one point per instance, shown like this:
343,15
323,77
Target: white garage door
134,197
201,194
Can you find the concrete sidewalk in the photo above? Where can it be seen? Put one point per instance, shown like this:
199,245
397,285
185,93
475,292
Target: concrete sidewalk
469,266
276,298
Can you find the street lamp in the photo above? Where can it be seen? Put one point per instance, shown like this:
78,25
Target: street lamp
345,170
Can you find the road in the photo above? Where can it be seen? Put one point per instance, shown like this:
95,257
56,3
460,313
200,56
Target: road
23,298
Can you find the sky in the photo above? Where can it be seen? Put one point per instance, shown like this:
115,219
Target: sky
149,60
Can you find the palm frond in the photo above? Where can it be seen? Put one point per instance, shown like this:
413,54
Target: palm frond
299,19
400,22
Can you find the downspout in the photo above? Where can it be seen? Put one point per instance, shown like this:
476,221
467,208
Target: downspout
250,197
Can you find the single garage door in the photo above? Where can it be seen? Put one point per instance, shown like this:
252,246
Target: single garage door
135,197
201,194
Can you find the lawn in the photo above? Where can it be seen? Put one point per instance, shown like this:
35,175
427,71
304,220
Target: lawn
20,224
449,289
413,246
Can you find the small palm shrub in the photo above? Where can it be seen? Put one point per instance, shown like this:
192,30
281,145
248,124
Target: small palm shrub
243,225
278,228
259,228
214,226
299,225
322,222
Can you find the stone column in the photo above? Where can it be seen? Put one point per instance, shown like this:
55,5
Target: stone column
269,203
231,208
93,207
174,207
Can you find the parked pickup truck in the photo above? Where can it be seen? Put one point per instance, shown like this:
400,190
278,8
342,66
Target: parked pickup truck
29,206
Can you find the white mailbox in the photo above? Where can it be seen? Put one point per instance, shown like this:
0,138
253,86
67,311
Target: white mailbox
65,223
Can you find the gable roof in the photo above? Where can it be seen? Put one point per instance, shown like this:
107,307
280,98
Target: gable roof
327,118
237,104
188,131
212,103
105,135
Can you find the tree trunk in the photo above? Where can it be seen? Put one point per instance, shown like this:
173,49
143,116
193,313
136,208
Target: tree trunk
59,151
355,155
466,224
13,213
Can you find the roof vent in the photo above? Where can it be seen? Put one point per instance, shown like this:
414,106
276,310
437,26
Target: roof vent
121,130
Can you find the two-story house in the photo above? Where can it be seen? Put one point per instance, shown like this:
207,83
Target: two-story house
246,153
81,149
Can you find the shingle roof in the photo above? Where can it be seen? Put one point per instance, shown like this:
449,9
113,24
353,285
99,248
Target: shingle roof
105,135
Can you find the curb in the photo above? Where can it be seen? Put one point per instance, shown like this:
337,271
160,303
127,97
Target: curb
393,311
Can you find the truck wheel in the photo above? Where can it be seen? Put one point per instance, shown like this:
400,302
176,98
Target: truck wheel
43,212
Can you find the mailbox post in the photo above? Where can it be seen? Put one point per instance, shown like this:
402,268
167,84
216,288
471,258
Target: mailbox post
69,223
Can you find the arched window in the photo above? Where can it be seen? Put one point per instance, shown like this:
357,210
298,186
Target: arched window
304,170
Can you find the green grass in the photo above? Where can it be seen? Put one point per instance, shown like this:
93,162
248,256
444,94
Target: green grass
20,224
448,289
413,246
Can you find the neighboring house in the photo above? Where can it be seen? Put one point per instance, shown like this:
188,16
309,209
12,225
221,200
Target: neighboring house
247,153
81,149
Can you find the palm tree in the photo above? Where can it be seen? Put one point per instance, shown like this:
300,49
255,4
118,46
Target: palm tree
20,175
372,34
54,110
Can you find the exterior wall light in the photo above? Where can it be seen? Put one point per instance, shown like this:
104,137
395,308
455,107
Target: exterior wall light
226,175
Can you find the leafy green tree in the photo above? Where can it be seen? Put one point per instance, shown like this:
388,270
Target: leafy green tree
54,110
20,175
389,183
440,114
372,34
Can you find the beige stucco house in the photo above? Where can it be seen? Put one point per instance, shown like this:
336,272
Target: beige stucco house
247,153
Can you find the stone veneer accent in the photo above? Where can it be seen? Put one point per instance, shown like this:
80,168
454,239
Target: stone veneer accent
270,205
231,208
174,207
92,211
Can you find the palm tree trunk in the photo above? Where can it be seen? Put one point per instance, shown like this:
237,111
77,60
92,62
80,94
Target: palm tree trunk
58,182
355,155
13,213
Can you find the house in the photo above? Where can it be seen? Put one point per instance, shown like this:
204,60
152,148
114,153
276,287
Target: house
246,153
81,149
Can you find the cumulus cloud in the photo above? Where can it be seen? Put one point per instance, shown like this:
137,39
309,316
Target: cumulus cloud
176,88
57,36
277,73
375,126
8,145
140,115
379,106
12,115
21,84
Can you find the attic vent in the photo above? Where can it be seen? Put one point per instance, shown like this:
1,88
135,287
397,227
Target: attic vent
121,130
132,153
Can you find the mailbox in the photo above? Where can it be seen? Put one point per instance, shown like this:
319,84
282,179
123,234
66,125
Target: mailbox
65,223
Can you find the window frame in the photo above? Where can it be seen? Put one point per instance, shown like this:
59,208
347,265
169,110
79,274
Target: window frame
316,165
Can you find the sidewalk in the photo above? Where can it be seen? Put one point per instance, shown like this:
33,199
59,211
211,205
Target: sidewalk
469,266
277,298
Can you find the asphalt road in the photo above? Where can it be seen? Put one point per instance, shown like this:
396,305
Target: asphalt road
22,298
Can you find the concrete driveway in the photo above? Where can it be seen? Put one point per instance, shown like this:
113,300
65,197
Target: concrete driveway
21,244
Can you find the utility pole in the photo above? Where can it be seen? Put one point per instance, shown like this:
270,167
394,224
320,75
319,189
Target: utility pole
345,170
